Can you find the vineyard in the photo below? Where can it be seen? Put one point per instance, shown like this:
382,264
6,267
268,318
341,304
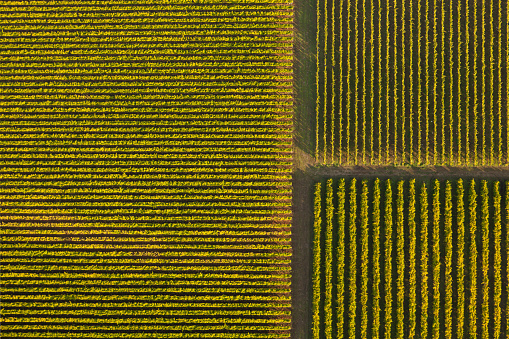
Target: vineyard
410,259
156,154
412,82
145,169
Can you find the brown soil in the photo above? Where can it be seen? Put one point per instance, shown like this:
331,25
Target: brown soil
439,172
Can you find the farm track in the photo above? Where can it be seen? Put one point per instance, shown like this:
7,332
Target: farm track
439,172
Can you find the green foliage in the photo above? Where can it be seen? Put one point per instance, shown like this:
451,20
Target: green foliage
319,103
376,259
364,226
329,207
317,252
475,82
472,307
400,261
424,264
340,285
436,260
460,280
352,223
388,260
485,240
507,237
448,260
497,259
435,91
412,276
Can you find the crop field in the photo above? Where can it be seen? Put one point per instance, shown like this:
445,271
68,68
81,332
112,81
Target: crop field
412,82
156,154
407,259
145,169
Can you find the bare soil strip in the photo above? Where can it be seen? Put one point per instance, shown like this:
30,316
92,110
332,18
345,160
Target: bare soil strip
438,172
